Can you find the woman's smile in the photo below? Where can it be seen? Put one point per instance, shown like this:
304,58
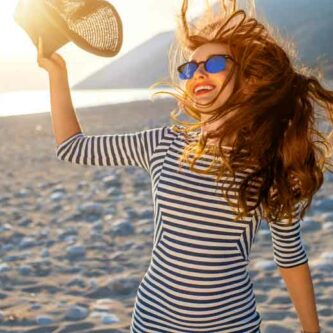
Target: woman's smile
204,92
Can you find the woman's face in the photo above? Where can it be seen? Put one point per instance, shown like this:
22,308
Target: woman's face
205,78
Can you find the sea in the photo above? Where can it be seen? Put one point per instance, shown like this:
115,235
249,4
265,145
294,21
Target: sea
16,103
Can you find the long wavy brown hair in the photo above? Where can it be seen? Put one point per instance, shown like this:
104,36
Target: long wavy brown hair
275,121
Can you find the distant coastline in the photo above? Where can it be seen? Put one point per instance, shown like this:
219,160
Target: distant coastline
16,103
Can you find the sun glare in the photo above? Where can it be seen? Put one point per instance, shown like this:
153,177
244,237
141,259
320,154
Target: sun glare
19,46
14,39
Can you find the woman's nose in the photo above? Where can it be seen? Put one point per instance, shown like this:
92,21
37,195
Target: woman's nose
200,71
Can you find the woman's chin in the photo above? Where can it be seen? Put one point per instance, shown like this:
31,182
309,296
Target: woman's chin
206,104
203,99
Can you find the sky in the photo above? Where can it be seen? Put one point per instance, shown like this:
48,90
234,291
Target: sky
141,20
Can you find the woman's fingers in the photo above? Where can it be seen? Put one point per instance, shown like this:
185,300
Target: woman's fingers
53,64
42,63
40,47
50,63
40,59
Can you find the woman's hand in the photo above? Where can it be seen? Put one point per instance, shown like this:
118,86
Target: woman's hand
55,65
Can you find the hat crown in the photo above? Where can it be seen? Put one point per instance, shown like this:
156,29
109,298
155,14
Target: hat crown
75,9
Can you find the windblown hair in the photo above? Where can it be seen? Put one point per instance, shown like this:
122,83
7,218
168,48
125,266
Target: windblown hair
270,111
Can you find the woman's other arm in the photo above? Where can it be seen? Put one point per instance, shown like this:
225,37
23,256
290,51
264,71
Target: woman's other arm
292,261
300,287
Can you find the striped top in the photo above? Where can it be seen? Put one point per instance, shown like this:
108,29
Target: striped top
197,279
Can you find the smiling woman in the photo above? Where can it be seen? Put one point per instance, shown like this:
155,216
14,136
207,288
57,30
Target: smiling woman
205,217
197,280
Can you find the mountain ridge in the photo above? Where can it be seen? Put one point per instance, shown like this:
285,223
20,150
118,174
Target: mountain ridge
148,63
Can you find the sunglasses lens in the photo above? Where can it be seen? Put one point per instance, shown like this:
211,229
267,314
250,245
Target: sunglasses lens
216,64
186,72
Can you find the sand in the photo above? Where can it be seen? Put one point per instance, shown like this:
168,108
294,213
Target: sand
75,241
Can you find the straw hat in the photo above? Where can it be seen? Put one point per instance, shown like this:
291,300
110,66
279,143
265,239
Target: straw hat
93,25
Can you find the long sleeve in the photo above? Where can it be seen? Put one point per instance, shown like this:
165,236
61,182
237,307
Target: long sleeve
128,149
288,249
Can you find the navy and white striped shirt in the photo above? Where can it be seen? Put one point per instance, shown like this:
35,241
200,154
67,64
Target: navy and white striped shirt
197,280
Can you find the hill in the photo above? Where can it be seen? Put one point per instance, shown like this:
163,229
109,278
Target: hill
309,23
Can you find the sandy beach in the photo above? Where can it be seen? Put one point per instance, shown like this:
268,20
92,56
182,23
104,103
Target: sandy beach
75,241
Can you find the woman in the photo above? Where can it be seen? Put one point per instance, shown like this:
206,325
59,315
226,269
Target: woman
257,130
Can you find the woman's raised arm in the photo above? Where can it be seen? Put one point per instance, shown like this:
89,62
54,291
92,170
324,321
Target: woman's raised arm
128,149
64,120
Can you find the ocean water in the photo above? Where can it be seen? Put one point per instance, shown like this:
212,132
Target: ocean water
17,103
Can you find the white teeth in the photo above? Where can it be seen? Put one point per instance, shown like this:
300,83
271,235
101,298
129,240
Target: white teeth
203,87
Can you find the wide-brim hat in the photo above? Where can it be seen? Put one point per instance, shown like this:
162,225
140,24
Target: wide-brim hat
93,25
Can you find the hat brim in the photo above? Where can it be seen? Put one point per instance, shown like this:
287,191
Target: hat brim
39,19
32,17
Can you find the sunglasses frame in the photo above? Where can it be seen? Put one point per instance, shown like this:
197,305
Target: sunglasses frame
179,68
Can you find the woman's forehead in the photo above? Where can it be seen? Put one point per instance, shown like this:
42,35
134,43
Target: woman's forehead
204,51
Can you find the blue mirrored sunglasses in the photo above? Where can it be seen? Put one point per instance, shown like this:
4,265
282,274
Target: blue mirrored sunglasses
214,64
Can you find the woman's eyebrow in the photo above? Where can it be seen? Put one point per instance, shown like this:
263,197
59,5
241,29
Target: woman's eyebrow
209,56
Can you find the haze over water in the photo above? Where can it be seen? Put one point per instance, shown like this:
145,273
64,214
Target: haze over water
15,103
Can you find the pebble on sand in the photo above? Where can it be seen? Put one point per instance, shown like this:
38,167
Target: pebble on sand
76,312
